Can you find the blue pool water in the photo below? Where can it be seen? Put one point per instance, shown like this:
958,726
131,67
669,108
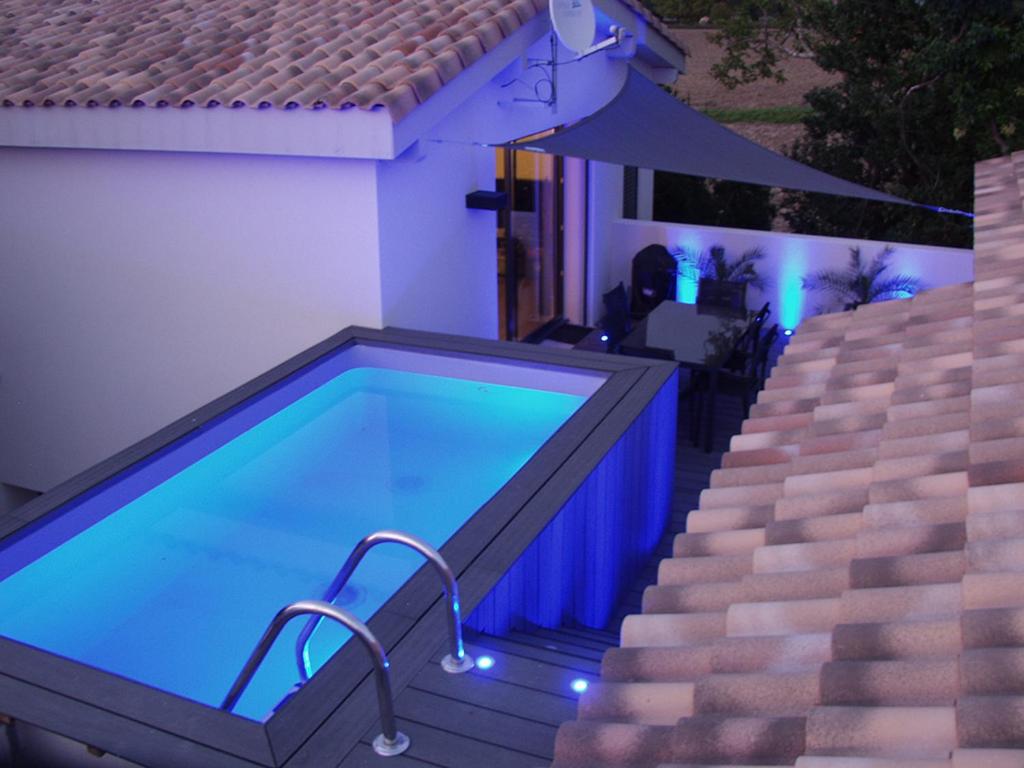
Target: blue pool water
169,573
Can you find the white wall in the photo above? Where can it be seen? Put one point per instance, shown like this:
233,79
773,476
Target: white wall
438,259
137,286
604,209
788,257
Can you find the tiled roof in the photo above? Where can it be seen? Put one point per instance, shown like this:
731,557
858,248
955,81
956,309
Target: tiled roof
254,53
850,593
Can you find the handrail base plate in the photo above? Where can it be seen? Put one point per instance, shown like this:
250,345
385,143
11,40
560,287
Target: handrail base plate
457,666
386,747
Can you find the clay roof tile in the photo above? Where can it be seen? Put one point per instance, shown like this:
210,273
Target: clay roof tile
172,53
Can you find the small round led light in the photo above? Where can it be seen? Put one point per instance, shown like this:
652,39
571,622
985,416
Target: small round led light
788,332
604,337
484,662
579,685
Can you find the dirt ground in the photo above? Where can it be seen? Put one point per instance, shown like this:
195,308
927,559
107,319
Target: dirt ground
703,91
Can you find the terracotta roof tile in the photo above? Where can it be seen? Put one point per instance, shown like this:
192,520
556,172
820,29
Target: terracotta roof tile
256,53
872,501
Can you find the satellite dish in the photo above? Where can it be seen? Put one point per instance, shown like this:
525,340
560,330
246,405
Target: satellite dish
574,22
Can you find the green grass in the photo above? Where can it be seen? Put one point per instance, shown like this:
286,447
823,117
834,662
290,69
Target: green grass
779,115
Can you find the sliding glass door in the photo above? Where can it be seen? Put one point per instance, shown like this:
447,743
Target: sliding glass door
529,242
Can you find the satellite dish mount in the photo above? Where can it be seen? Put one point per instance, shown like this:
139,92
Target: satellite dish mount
574,22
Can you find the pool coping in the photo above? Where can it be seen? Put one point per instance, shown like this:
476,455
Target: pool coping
318,726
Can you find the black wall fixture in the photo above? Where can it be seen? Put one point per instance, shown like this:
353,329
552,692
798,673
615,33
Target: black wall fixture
485,200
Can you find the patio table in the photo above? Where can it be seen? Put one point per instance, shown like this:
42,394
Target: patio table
698,340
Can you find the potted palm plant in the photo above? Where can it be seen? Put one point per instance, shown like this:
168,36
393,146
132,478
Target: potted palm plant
863,282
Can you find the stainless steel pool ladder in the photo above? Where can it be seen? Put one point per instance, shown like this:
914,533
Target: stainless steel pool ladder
390,741
456,661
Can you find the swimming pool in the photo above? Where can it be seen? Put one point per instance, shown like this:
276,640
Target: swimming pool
164,566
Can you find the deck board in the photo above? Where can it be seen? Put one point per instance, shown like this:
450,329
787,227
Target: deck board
527,703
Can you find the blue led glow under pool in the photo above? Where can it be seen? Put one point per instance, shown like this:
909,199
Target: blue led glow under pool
169,573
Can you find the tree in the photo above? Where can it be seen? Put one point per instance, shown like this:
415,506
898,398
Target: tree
862,283
928,88
711,202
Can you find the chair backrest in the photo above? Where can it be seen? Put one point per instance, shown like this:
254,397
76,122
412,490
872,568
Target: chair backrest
762,314
616,315
654,278
764,347
725,295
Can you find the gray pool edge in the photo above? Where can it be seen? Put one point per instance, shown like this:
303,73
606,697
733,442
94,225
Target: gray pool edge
156,728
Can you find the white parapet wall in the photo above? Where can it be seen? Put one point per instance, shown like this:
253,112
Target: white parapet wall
788,258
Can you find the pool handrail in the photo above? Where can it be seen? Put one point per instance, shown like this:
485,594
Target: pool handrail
456,660
390,741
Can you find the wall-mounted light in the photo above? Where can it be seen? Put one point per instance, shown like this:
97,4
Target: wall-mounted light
485,200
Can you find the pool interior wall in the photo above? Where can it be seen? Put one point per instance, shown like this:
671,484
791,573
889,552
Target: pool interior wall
186,559
43,691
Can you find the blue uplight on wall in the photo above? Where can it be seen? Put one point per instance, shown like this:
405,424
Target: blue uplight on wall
792,269
688,267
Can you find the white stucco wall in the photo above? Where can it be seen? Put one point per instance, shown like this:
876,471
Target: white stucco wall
788,257
438,259
137,286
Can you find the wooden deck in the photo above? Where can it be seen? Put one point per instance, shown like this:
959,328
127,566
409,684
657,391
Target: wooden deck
507,716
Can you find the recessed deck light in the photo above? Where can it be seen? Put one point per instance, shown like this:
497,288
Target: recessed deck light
579,685
484,662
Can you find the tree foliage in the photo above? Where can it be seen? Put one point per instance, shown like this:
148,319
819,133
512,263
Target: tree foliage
928,88
711,202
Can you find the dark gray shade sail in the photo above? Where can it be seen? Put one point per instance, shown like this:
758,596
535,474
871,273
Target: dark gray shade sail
647,127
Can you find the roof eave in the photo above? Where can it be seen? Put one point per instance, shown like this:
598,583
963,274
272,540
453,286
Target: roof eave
351,133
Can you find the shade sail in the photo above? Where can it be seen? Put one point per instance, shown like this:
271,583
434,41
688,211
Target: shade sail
647,127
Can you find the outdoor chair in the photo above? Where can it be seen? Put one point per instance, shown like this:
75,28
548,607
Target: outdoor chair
616,322
654,279
743,381
761,356
722,297
747,344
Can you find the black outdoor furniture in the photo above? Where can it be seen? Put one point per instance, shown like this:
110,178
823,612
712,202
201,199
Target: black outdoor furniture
747,344
616,323
722,296
654,279
706,344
